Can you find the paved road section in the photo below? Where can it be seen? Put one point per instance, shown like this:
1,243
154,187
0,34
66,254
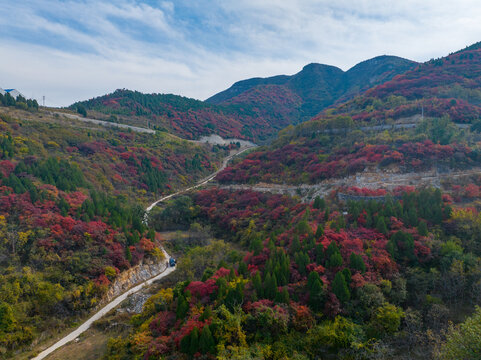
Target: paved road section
99,314
115,302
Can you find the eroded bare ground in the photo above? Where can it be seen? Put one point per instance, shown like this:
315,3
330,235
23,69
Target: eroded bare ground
370,180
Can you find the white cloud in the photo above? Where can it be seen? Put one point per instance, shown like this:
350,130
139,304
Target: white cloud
199,48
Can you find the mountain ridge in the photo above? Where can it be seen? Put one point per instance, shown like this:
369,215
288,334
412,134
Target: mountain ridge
321,85
256,108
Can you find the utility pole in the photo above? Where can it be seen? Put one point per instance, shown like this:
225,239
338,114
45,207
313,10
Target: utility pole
422,112
43,99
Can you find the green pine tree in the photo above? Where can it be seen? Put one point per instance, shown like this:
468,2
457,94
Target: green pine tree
270,286
381,225
185,344
207,314
335,260
357,263
182,307
319,231
423,228
242,269
257,283
194,341
206,341
317,203
295,244
340,289
316,295
319,253
311,278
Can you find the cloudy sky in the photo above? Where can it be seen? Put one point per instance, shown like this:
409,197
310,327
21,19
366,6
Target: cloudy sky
75,50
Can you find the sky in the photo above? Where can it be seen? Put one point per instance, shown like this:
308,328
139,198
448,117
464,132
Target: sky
75,50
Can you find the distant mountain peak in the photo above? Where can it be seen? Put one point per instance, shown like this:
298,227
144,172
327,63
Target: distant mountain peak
316,85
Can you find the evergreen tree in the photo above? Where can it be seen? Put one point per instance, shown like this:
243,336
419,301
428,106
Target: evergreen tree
319,231
257,283
128,254
295,244
303,227
282,297
185,344
256,244
302,260
326,214
234,296
182,307
82,110
401,246
318,203
340,289
313,276
319,253
381,225
242,269
316,295
357,263
347,275
335,260
270,287
206,341
332,249
423,228
207,314
194,341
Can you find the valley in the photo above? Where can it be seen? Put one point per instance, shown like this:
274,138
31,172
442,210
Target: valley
351,232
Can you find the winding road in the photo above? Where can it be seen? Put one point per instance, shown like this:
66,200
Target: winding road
115,302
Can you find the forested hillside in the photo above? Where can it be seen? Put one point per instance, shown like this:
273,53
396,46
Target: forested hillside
361,272
252,109
330,280
299,97
444,86
185,117
426,118
71,214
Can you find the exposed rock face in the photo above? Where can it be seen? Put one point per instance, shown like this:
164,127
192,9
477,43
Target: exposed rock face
135,303
369,179
134,276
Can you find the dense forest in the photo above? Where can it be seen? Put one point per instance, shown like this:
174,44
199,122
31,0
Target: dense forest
329,279
185,117
393,273
423,119
361,272
305,154
68,220
260,108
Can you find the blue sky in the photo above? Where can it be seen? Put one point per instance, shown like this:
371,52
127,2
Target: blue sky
74,50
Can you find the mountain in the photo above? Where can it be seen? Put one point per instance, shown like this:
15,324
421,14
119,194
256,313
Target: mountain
449,86
432,113
362,242
252,109
314,88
